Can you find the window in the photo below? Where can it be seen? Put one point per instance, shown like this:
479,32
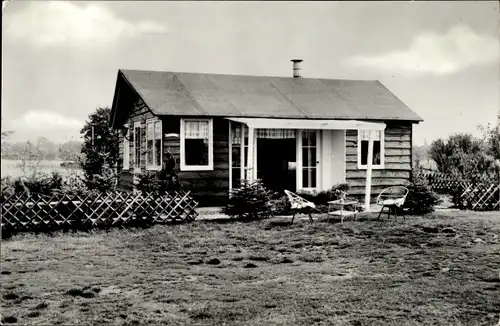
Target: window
378,149
236,158
137,145
126,149
153,144
196,144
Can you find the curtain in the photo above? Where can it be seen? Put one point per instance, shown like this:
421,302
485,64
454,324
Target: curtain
196,129
262,133
276,133
376,135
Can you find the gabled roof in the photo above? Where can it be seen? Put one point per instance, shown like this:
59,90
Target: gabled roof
199,94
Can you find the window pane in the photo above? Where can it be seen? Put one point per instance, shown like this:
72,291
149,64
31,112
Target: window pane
158,130
137,132
235,134
305,157
236,178
312,153
305,177
236,156
305,139
158,159
149,155
196,129
196,152
309,138
376,152
245,150
149,131
312,179
312,138
364,152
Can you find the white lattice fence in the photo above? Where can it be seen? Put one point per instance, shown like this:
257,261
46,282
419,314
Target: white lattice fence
480,196
36,212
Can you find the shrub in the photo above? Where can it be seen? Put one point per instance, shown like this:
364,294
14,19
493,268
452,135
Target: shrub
249,202
165,180
421,199
281,206
148,182
43,184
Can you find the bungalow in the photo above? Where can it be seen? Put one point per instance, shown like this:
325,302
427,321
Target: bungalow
293,133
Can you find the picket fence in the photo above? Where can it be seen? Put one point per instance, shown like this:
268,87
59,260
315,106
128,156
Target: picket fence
482,193
36,212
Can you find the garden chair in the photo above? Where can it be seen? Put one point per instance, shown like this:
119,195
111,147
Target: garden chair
299,204
393,198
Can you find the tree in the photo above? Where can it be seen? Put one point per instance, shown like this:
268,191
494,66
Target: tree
70,151
463,155
47,148
491,137
99,149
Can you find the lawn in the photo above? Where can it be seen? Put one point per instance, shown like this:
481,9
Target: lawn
441,269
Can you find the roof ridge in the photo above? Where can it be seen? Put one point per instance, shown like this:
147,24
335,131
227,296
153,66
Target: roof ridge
188,93
346,101
246,75
289,100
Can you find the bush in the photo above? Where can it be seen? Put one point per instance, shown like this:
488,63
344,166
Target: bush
250,202
148,182
421,199
43,184
165,180
281,206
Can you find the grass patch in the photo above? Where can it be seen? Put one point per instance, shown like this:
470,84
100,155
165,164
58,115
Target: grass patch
418,271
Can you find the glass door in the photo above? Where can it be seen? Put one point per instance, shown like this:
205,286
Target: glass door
309,159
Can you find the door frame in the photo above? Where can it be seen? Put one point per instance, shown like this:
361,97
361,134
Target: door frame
298,153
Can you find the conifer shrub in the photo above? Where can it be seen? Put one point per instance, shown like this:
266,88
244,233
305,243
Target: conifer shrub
421,199
249,202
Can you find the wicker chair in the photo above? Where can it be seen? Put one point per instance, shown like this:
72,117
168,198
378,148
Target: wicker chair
393,198
300,205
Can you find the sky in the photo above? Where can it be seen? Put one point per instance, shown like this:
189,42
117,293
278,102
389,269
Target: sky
60,59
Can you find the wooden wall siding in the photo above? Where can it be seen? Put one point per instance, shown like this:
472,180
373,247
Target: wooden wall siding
397,160
208,187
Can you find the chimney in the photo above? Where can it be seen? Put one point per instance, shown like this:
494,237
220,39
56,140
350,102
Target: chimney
296,67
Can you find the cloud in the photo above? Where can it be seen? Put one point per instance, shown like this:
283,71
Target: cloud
45,120
432,53
56,23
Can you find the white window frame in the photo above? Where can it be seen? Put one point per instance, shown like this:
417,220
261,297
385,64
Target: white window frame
126,149
210,165
137,124
156,165
382,152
